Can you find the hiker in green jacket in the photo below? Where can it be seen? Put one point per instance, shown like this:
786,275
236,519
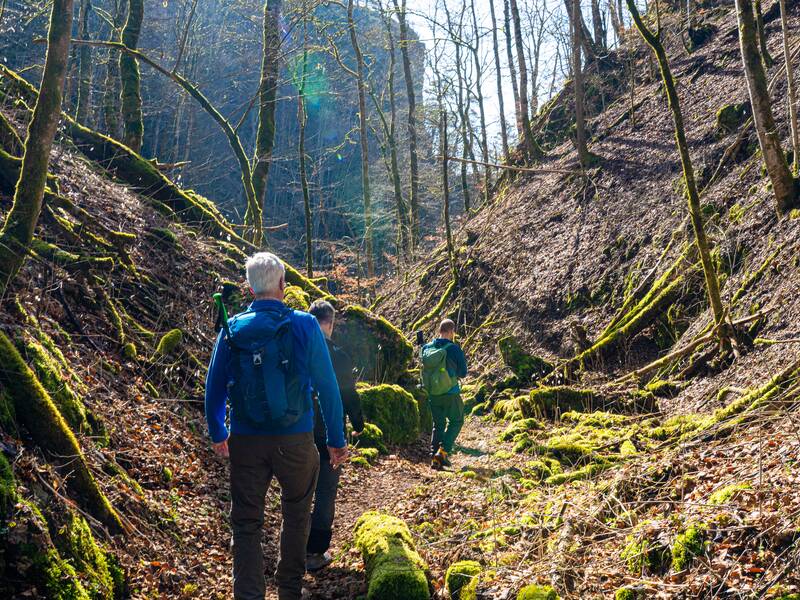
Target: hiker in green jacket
443,363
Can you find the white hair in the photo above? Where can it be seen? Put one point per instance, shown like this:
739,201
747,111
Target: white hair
264,273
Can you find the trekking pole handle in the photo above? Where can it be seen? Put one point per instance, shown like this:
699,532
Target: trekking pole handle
223,312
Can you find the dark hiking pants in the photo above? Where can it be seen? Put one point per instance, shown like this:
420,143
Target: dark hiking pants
319,540
448,417
294,461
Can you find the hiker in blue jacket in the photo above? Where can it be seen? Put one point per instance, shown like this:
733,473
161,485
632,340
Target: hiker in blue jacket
265,364
443,363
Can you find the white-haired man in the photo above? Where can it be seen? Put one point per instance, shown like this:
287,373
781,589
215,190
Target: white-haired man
265,364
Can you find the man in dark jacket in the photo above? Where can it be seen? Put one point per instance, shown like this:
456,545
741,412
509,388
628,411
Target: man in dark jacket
319,540
447,408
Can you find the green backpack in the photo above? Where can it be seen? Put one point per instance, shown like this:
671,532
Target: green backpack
436,379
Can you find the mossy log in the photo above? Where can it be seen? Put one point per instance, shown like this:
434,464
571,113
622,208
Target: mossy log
393,410
436,310
36,411
551,402
374,344
395,571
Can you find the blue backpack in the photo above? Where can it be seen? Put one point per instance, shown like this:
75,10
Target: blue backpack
265,389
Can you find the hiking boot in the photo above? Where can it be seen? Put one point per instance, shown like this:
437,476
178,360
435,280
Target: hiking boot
439,460
317,562
445,458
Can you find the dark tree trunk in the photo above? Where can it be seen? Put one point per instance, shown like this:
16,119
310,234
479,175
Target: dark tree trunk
265,136
133,124
783,184
531,148
412,121
85,69
577,79
511,68
20,223
499,77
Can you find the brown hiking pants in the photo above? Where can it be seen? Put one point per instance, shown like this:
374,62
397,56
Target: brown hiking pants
255,459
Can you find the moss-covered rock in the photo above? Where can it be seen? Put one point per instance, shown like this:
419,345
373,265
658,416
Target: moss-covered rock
296,298
645,553
731,116
129,351
368,454
520,426
688,544
380,350
537,592
393,410
395,571
168,343
57,577
526,367
372,437
459,575
629,593
549,402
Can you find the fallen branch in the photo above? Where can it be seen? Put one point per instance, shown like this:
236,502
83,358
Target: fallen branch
514,168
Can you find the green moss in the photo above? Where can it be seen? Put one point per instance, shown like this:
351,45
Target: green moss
379,348
627,593
730,117
151,389
129,351
57,577
8,419
50,373
296,298
459,575
163,237
393,410
627,448
436,310
687,545
369,454
166,474
507,409
644,555
394,569
8,488
520,426
76,542
168,343
538,471
372,437
359,461
425,416
548,402
586,472
726,494
663,388
595,419
537,592
526,367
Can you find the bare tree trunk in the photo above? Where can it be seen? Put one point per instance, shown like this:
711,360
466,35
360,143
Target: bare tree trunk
412,121
531,149
475,48
577,79
463,115
791,92
111,92
762,35
783,184
511,68
265,135
133,124
20,223
185,36
403,233
362,128
695,214
597,25
301,148
499,77
444,149
85,69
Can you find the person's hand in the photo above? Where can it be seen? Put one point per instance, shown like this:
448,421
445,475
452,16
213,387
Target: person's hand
356,433
221,448
338,456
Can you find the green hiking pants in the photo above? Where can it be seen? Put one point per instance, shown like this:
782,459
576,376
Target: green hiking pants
448,417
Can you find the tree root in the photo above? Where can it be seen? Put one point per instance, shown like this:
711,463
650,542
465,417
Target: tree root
37,412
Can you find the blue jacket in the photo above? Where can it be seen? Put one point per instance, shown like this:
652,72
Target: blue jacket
456,361
316,371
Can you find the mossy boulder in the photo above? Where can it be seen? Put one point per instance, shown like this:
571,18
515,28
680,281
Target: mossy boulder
393,410
297,298
731,116
526,367
380,350
459,576
168,343
395,571
549,402
425,416
372,437
689,544
537,592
